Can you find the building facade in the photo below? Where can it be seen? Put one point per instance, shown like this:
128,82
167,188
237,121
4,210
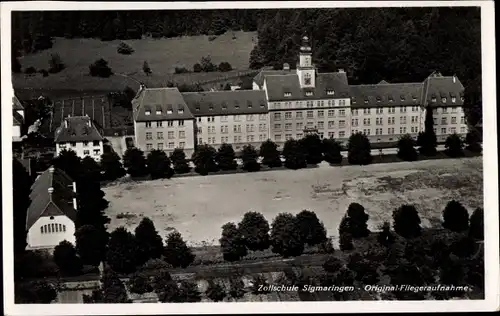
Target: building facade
79,134
18,119
52,213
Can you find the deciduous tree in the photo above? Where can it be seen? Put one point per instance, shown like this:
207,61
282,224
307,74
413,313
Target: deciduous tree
270,154
236,288
255,231
345,236
359,150
215,291
249,156
112,166
188,293
178,158
454,146
159,165
473,139
407,221
406,148
358,220
122,251
140,283
332,151
225,157
476,229
285,236
91,244
312,231
66,259
455,216
36,292
135,162
177,253
313,148
101,69
232,243
427,140
294,154
149,242
204,159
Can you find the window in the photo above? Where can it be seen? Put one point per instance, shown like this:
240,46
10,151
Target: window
342,102
288,136
462,130
288,115
366,131
443,130
453,100
237,118
224,129
445,110
182,145
330,92
321,125
97,152
402,130
454,109
453,120
309,93
170,135
237,128
288,126
331,113
414,108
171,123
300,125
181,122
310,114
160,146
200,141
223,118
402,120
159,135
444,121
390,131
341,112
262,117
342,134
249,117
366,111
288,94
171,145
96,143
433,99
277,116
392,110
182,134
158,112
378,131
462,120
149,146
341,123
85,144
379,111
310,124
366,121
277,126
331,124
277,137
72,144
443,100
159,124
354,122
402,109
86,152
169,109
147,112
414,119
307,79
378,121
355,112
149,135
299,135
298,115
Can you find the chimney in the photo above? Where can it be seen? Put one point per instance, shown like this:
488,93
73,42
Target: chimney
66,123
454,79
90,123
74,198
51,190
286,66
51,169
341,70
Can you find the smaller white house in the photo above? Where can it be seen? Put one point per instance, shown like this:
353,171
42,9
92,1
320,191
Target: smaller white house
79,134
52,213
18,119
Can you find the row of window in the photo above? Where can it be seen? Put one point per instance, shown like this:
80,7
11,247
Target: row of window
170,145
309,104
224,129
85,144
180,123
160,112
450,130
237,117
444,120
249,103
52,228
170,135
96,152
236,139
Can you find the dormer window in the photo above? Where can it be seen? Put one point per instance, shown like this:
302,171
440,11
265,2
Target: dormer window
379,99
288,94
180,110
330,92
147,112
309,93
169,111
158,112
433,99
224,105
402,97
366,100
353,100
390,98
249,104
414,98
453,100
443,100
262,104
210,107
197,106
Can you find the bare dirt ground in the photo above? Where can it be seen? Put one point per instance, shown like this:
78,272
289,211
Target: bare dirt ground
198,206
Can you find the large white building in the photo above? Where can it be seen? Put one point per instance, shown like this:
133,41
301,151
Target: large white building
79,134
52,213
290,103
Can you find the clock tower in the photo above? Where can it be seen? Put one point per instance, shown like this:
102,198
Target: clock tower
305,69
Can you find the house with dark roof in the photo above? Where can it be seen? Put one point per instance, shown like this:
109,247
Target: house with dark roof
51,215
17,119
162,120
80,134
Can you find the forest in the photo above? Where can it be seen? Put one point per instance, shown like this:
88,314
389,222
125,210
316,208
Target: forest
371,44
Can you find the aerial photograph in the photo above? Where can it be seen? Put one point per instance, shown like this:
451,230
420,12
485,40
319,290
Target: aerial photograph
247,155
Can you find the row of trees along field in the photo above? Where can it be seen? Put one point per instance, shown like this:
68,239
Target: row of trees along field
371,44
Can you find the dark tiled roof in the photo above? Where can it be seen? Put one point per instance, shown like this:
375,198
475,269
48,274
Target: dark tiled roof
59,202
26,162
16,104
226,102
18,118
440,87
278,85
259,78
401,94
78,129
167,100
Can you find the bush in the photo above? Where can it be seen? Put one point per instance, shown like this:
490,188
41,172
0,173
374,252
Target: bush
385,236
158,165
197,67
55,64
313,148
332,151
270,154
124,49
407,221
255,231
225,157
359,150
188,293
215,292
232,243
249,156
294,154
207,65
345,237
178,158
455,217
473,140
236,288
225,66
285,236
100,69
358,219
30,70
312,231
135,162
332,264
406,148
204,159
140,284
181,70
454,146
476,229
66,259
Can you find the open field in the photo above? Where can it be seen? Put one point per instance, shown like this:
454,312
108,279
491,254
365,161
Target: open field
198,206
162,55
